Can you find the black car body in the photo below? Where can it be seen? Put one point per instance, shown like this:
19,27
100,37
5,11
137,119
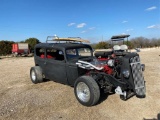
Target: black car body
61,68
74,64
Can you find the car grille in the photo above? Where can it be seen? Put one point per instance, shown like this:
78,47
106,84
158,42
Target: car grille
137,76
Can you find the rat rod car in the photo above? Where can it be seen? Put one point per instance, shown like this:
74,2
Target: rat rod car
70,62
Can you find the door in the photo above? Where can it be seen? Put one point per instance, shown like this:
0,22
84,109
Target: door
39,57
72,73
55,66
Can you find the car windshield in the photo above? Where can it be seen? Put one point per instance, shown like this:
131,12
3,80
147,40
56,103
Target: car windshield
78,53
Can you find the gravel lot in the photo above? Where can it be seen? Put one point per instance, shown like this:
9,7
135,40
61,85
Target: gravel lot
22,100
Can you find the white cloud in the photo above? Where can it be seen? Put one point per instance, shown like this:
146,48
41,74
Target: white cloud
124,21
84,31
91,28
81,25
151,8
123,34
129,30
154,27
71,24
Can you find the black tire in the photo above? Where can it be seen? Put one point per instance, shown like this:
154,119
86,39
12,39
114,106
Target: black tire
36,74
93,91
158,116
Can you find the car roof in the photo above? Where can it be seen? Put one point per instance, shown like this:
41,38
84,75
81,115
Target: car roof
62,45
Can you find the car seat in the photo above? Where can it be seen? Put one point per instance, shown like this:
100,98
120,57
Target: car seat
116,48
123,48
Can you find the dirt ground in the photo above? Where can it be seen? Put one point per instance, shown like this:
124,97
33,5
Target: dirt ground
22,100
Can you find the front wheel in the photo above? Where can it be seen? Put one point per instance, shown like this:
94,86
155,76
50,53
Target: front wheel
87,91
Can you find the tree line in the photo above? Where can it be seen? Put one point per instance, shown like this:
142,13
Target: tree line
138,42
6,46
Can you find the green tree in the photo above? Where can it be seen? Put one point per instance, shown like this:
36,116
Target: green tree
93,45
22,41
129,44
5,47
32,42
102,45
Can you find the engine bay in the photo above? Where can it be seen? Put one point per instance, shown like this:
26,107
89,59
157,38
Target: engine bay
109,65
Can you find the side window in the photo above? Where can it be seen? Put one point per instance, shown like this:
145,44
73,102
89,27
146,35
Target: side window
51,53
54,54
84,52
71,53
40,52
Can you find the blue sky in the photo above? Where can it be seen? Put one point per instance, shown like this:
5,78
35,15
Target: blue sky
89,19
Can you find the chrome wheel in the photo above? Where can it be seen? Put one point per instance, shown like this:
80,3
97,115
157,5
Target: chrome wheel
33,75
83,92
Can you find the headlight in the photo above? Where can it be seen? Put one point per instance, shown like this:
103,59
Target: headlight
126,73
110,63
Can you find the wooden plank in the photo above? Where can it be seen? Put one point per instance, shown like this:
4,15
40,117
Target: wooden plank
71,39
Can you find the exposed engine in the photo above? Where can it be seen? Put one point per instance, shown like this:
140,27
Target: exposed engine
108,65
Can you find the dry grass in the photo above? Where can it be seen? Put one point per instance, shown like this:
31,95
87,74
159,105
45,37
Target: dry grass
22,100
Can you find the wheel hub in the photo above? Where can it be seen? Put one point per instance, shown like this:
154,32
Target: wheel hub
33,75
83,92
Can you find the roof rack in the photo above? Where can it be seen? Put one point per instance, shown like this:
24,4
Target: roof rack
69,39
119,37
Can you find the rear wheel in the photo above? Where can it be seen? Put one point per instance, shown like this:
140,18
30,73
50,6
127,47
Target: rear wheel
87,91
36,74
